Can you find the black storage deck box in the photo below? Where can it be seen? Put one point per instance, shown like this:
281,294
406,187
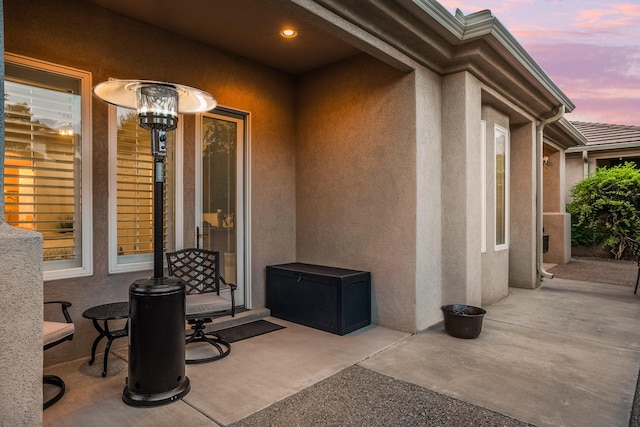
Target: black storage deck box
331,299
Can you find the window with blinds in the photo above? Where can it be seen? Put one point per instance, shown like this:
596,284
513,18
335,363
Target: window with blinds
43,161
133,173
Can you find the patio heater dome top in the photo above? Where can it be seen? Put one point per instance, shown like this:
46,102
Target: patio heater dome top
124,93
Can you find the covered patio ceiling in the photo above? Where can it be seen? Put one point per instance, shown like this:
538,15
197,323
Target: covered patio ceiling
247,28
332,30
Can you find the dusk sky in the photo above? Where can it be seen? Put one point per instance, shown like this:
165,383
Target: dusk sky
590,49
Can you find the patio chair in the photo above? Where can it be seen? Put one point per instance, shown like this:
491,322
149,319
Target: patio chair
54,333
199,269
634,247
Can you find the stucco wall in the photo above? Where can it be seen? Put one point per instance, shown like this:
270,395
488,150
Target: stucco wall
84,36
574,173
21,336
522,248
558,226
429,199
355,181
552,173
556,222
495,263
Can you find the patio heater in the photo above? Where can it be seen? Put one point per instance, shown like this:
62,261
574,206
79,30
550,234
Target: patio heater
157,304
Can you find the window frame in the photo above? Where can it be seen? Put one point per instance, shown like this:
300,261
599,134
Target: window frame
86,162
499,130
483,186
147,264
243,201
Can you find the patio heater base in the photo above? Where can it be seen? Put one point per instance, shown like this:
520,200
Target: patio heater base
156,399
156,342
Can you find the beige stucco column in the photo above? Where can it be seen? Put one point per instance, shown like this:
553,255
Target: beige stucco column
461,190
20,326
522,249
21,313
428,281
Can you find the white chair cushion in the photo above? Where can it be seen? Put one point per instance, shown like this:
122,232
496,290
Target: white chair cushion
207,302
54,331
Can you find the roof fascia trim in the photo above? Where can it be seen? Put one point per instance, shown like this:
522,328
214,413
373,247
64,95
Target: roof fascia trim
442,16
603,147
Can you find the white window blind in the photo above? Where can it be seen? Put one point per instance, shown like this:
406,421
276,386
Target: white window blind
134,194
42,164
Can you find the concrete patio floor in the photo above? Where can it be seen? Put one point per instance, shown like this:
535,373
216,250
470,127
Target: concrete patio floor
565,354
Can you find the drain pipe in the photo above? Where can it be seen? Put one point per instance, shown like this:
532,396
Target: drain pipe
539,188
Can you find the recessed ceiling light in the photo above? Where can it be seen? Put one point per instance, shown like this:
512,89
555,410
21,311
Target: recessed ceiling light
288,33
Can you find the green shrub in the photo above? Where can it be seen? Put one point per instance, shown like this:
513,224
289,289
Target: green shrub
606,208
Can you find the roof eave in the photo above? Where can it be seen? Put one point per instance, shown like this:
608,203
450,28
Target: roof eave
427,33
484,25
461,29
564,134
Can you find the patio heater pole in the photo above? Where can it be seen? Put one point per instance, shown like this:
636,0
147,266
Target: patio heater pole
157,304
158,137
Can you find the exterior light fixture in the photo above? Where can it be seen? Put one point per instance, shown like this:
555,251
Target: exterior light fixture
288,33
156,305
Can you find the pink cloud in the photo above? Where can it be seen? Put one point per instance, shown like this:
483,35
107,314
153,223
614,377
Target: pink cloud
596,64
591,53
602,81
591,15
613,16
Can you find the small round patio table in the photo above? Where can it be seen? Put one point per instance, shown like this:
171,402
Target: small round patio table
104,313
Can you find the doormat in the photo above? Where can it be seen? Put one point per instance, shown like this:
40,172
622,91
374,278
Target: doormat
248,330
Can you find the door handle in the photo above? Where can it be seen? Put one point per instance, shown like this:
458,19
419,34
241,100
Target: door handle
198,237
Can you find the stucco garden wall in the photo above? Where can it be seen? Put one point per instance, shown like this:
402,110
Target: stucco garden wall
558,226
556,222
84,36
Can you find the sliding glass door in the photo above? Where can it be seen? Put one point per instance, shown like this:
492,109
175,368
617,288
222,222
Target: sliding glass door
221,211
